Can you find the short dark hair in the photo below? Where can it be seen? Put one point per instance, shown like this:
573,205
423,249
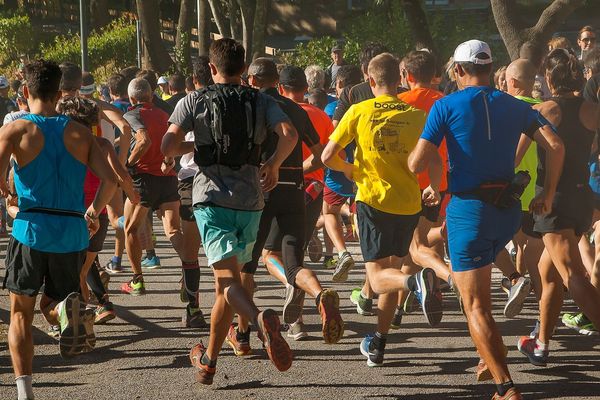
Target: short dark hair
368,52
129,73
563,71
477,69
79,109
150,77
384,69
348,76
189,84
421,65
71,76
228,56
586,28
264,69
43,79
591,60
201,71
177,82
318,98
117,84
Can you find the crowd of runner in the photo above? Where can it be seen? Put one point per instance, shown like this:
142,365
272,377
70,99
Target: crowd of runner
438,174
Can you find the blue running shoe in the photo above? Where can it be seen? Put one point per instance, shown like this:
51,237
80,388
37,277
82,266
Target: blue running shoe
151,263
374,355
428,291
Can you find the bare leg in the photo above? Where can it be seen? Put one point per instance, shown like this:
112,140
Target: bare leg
424,255
552,297
135,216
20,338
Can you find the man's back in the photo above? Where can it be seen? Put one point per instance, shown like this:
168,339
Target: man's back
323,127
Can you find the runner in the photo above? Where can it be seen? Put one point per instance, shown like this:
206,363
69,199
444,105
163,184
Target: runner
150,77
153,179
576,121
227,192
282,227
478,225
388,198
176,89
49,234
6,104
21,103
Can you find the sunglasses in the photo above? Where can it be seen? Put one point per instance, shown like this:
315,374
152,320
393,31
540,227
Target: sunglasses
588,40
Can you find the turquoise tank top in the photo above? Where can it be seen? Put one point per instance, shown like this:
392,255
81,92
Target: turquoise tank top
52,181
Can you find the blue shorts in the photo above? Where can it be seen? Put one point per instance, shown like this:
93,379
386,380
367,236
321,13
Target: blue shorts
478,231
227,233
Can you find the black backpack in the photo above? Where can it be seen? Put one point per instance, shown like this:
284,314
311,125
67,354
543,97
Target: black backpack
230,115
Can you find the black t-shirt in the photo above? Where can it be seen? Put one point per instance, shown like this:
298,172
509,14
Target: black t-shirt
6,106
291,168
173,100
592,89
163,105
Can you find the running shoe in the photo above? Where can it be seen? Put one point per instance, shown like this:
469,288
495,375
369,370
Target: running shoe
505,285
239,342
528,347
580,323
193,318
374,355
294,300
104,313
113,267
511,394
397,320
315,248
205,373
344,264
364,306
516,297
329,308
277,348
134,288
297,331
411,303
73,335
182,291
88,323
54,331
105,278
151,263
329,262
429,294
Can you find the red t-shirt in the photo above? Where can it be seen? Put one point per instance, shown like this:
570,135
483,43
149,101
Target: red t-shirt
324,128
423,99
155,121
90,188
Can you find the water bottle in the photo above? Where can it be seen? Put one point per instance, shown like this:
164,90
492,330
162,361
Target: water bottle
312,191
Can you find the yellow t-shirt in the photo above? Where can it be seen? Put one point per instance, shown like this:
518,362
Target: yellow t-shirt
386,130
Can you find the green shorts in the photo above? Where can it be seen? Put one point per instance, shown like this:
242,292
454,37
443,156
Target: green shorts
227,233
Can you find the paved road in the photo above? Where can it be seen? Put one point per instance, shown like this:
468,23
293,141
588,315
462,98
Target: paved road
143,354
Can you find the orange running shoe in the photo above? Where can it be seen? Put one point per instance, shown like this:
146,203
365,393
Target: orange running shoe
240,346
329,308
205,374
277,348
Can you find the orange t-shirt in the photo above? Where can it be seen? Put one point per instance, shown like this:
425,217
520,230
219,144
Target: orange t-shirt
324,128
423,99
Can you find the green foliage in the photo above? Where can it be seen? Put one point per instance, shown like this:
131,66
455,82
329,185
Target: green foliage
15,38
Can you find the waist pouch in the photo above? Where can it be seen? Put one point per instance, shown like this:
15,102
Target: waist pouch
498,194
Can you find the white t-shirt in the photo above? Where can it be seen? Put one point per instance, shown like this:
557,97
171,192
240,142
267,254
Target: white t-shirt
187,163
13,116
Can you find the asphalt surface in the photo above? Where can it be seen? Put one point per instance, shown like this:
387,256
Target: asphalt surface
143,354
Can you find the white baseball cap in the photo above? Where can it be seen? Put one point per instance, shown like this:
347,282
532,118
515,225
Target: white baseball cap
3,82
472,51
162,80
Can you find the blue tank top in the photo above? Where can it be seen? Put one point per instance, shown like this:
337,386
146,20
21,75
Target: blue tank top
53,180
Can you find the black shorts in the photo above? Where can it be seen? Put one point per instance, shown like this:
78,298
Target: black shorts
313,212
155,190
573,209
527,224
383,234
186,209
97,241
28,269
432,214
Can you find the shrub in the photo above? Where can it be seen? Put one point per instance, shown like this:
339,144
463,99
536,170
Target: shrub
15,38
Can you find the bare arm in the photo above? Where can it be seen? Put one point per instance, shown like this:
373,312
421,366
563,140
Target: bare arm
124,179
555,155
174,144
115,117
422,156
313,162
108,181
288,137
332,159
7,148
142,144
522,147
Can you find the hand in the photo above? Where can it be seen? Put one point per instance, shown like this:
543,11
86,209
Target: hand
4,190
541,204
431,197
269,176
91,218
166,167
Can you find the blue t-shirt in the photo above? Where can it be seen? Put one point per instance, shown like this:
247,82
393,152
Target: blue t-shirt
336,180
482,127
330,108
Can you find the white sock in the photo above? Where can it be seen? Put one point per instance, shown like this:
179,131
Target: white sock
24,387
362,294
341,252
541,345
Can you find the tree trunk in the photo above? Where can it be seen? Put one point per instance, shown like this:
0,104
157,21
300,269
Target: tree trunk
260,28
157,58
247,8
219,15
513,31
183,56
99,13
235,20
11,4
203,27
417,21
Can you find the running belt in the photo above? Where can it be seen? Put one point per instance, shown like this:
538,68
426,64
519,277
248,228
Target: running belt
54,211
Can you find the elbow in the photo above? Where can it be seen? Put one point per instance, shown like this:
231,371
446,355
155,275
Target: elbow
413,165
326,157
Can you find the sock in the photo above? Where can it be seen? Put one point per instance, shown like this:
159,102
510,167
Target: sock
541,345
207,361
116,260
137,277
379,340
514,275
242,336
504,387
191,281
24,387
341,252
412,283
318,300
150,253
362,294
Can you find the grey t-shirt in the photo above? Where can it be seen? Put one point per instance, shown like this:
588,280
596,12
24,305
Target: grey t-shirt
220,185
